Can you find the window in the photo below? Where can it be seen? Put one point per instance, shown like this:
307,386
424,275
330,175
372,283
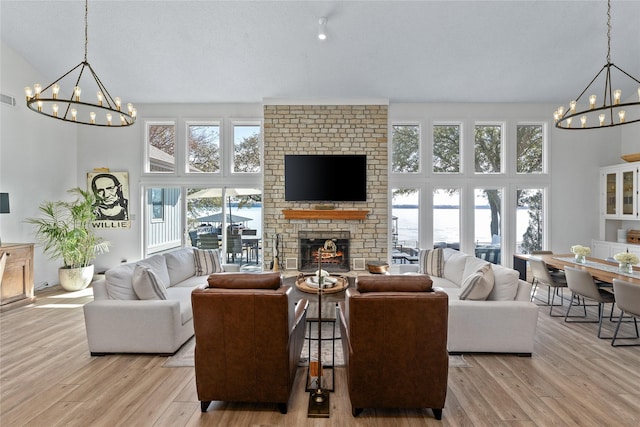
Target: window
405,226
529,146
529,220
446,148
161,147
156,196
446,217
162,235
488,148
246,148
488,223
405,146
203,148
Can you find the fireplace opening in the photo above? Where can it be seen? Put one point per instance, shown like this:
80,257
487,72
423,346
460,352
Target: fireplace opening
309,242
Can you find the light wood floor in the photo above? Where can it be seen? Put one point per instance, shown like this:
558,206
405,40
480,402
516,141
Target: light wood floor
49,379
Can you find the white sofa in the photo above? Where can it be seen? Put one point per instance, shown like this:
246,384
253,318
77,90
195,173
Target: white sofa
503,323
117,321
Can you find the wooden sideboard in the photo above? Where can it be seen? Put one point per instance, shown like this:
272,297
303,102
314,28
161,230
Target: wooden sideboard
16,286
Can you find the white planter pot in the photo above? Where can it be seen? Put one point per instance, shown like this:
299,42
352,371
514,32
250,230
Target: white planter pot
75,279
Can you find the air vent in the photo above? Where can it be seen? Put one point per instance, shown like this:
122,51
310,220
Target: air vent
7,100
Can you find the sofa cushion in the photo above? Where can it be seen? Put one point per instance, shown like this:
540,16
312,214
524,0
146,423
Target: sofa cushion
431,262
472,265
119,282
158,264
478,285
505,285
454,262
245,280
147,284
181,265
183,296
390,283
207,261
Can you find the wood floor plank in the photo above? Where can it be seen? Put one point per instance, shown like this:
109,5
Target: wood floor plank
48,378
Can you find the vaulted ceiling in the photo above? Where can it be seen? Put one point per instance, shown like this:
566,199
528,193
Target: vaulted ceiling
406,51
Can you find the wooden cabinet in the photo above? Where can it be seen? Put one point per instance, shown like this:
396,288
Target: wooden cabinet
16,287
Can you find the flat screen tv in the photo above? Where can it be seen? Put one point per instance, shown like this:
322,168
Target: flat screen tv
325,178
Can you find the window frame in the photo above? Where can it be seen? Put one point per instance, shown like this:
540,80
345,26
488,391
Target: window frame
146,160
185,144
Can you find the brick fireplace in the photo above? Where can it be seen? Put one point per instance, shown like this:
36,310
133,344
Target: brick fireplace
311,128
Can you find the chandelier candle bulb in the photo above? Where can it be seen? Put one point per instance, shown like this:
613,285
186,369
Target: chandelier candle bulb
592,102
54,107
109,119
601,117
572,107
621,114
99,95
583,121
37,89
39,105
29,93
122,120
74,114
93,117
617,94
118,103
76,92
569,122
54,90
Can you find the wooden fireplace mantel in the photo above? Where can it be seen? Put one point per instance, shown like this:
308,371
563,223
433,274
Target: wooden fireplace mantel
359,214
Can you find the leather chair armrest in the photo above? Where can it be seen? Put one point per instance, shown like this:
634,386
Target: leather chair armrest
301,309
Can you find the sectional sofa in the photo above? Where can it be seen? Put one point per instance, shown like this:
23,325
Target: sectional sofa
502,320
145,306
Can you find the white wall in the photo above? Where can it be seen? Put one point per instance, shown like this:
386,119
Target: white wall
37,159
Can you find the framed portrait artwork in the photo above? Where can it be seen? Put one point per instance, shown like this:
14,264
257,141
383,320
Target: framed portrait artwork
111,190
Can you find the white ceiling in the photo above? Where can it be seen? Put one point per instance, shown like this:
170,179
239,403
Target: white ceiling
404,51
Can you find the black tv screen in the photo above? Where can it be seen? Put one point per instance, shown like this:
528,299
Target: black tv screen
325,178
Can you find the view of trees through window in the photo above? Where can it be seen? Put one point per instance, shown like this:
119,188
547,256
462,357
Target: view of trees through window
488,159
204,148
161,148
246,148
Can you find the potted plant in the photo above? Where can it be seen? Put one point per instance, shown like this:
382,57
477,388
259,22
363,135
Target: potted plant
65,230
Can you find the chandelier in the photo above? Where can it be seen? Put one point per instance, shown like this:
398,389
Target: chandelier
68,105
611,111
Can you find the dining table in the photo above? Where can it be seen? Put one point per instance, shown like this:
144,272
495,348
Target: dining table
601,270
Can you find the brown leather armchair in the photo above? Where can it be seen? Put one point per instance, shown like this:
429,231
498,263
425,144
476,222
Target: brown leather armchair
394,337
249,335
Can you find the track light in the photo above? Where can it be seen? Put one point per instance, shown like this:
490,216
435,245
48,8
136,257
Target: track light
322,29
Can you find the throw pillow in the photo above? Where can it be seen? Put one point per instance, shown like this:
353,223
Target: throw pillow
505,285
431,262
207,261
478,285
147,285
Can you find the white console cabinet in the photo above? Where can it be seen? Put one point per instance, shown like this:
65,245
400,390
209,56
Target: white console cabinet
603,249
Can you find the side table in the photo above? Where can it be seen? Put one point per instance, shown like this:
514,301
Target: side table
328,316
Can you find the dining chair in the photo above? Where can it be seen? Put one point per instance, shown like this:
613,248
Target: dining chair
234,247
555,280
208,241
251,248
628,301
581,283
193,236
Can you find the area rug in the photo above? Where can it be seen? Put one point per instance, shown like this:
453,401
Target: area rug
184,356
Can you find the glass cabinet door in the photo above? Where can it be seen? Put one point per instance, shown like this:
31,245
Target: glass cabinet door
628,192
610,193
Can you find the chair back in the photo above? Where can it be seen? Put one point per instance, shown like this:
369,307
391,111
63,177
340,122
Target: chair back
627,296
234,243
540,271
193,236
245,349
581,282
395,343
209,241
249,232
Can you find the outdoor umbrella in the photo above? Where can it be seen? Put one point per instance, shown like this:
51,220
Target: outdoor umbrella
217,217
230,192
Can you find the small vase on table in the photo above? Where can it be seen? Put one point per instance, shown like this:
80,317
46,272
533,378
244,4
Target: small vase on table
625,267
581,259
